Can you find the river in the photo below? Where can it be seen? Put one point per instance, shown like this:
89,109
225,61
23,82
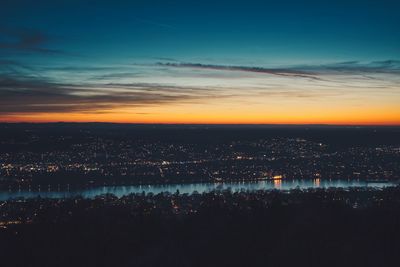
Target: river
190,188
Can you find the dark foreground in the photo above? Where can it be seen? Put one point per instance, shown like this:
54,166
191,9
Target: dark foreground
332,227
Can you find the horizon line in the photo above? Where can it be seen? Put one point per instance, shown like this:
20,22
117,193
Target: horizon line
202,124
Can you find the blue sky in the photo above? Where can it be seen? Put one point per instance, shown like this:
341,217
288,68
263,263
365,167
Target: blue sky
225,32
198,44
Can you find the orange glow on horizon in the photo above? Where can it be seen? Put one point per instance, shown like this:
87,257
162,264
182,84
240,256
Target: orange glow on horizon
113,118
273,112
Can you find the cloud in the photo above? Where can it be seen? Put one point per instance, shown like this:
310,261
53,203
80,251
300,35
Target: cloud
356,67
25,40
272,71
25,90
12,66
312,72
40,96
164,87
83,68
117,75
166,59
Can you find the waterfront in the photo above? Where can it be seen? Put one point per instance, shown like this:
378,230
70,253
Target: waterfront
190,188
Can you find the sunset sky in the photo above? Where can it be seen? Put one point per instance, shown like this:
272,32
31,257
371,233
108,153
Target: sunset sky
284,62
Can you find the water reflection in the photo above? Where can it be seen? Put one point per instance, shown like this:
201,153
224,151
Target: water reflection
277,183
190,188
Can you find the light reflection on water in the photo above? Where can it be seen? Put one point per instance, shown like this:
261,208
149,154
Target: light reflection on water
278,184
190,188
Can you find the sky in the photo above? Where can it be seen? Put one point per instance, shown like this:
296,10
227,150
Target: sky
261,62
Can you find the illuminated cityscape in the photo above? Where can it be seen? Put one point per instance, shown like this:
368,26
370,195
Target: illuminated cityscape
184,133
88,156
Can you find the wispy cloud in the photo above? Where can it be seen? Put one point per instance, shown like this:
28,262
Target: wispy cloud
280,72
25,40
356,67
41,96
102,89
301,71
